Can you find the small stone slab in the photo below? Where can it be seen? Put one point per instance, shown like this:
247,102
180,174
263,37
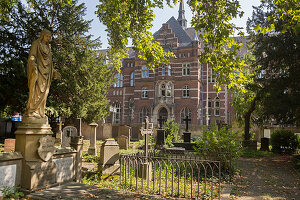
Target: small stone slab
7,176
65,169
68,132
46,148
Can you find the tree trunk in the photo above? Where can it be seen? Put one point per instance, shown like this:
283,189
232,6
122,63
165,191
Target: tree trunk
247,118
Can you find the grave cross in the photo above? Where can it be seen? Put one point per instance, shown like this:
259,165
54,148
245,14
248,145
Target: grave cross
146,132
187,120
161,121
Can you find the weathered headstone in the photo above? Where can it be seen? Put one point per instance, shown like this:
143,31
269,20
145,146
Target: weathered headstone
109,157
267,133
64,168
186,133
125,130
9,145
123,142
92,148
160,136
7,176
107,131
68,132
46,148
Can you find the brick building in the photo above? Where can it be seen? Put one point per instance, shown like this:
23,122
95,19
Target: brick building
184,87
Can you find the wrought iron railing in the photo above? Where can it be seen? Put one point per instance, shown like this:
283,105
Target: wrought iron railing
171,175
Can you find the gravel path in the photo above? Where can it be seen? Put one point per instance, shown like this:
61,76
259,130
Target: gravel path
266,178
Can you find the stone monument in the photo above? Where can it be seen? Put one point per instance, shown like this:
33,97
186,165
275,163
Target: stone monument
38,169
123,142
92,148
160,138
109,157
68,132
186,133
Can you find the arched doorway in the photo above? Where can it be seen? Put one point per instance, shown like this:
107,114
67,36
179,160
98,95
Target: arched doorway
163,114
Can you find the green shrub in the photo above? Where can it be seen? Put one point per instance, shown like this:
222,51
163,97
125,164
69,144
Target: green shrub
222,145
172,132
284,141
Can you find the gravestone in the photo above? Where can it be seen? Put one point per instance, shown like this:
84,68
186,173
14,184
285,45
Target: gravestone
125,130
65,168
267,133
68,132
59,133
92,148
9,145
109,157
265,144
123,142
107,131
7,176
186,133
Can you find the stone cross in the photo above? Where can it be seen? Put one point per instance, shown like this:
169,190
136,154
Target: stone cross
146,131
187,120
160,121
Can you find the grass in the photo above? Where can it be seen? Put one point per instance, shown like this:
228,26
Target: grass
257,154
1,148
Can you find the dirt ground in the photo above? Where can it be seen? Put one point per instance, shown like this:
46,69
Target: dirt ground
266,178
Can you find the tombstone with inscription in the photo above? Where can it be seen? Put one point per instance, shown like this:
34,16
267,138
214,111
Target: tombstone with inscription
64,169
265,141
9,145
107,131
109,157
68,132
123,142
125,130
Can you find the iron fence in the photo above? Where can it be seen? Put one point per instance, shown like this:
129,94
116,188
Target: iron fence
171,175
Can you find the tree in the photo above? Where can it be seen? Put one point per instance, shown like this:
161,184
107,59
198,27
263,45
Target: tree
85,79
274,30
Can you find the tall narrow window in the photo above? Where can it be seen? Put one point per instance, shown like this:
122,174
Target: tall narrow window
209,102
186,91
217,102
163,71
186,69
169,90
211,78
118,80
185,112
144,92
132,79
169,70
163,90
143,113
145,72
117,114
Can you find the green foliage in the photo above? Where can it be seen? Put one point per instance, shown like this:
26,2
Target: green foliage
284,141
11,192
90,158
222,145
171,131
81,91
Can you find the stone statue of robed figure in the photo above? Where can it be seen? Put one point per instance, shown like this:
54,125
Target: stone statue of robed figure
40,72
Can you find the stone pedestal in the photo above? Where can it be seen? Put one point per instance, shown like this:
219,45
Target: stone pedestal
109,157
92,148
187,137
145,170
77,144
38,170
265,144
250,144
160,138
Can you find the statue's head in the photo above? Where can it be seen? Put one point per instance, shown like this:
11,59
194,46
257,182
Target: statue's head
45,36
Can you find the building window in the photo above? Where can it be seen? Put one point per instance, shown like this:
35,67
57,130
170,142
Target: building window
217,112
209,112
163,71
217,102
145,72
186,91
163,90
131,64
144,112
117,113
132,79
144,92
169,70
211,76
186,69
209,102
118,80
169,90
185,112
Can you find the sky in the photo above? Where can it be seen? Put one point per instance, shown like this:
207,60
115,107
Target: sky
161,16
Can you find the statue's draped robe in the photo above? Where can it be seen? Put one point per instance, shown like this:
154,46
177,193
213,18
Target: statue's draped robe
39,74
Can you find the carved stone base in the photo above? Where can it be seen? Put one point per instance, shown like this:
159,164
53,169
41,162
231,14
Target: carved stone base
36,175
